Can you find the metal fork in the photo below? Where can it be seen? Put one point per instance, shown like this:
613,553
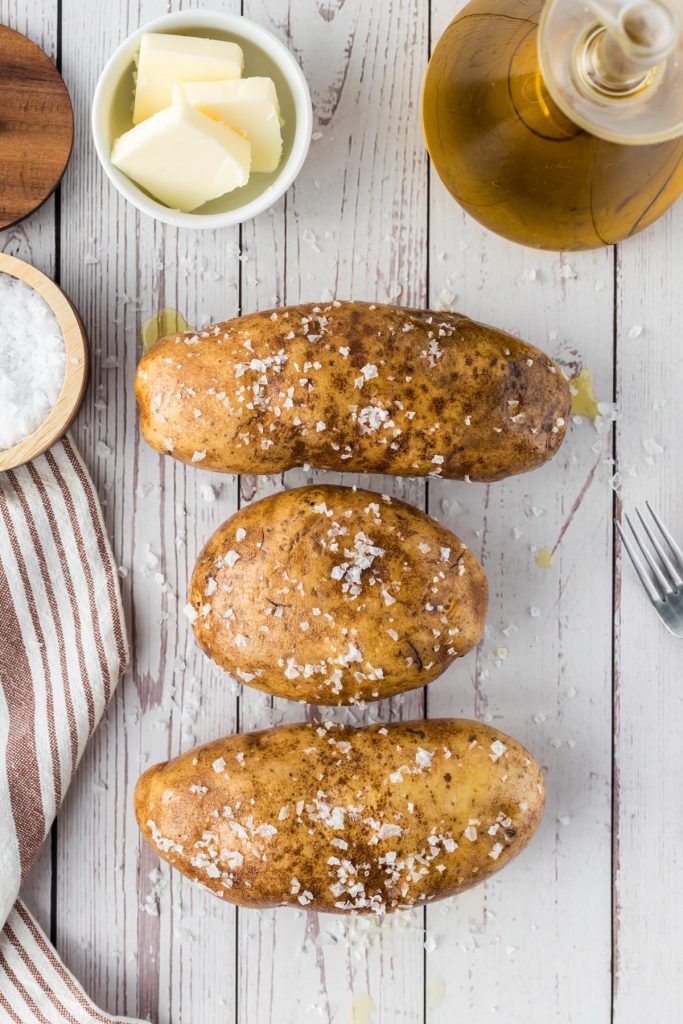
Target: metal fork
664,582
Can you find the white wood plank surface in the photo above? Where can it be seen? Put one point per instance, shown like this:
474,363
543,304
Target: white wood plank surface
648,897
334,235
128,935
516,946
586,927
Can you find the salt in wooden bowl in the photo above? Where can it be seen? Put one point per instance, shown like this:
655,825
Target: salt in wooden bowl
60,417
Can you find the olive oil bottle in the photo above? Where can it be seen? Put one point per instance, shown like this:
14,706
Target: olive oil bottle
559,125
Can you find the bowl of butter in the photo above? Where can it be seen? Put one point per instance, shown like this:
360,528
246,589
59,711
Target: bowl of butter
202,119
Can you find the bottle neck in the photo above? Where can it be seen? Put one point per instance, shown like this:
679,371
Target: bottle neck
604,69
602,77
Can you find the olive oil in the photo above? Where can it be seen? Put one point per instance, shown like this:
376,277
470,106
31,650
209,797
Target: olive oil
584,402
514,160
165,321
545,558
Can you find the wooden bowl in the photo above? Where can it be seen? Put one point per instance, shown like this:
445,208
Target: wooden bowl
60,417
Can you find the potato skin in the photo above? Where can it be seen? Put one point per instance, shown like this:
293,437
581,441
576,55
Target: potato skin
335,595
339,819
355,387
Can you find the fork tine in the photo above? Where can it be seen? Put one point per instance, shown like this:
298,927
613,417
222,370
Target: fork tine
675,550
663,557
665,587
652,592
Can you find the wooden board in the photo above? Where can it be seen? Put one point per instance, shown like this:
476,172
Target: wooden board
586,925
37,127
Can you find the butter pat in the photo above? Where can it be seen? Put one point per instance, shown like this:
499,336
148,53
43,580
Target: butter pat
183,158
249,105
166,59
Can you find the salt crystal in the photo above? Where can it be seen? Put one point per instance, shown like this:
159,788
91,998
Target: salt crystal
446,300
32,360
423,758
309,237
498,749
190,613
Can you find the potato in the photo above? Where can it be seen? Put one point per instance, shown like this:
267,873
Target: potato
334,595
355,387
342,819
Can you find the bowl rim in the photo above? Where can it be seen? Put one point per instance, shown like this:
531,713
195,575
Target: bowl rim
63,412
248,29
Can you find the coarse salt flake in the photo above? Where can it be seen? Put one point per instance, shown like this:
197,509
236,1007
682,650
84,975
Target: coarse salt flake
423,758
190,613
32,360
497,750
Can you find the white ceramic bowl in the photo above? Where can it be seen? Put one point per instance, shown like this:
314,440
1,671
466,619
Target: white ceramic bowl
263,55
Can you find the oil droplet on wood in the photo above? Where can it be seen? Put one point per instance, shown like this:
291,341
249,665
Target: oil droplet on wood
584,402
435,991
165,321
362,1009
544,558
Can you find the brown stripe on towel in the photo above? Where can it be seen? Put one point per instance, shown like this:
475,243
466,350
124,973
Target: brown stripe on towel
101,536
73,600
25,995
38,978
54,611
22,762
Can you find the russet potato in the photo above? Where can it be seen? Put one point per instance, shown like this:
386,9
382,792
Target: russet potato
336,595
356,387
341,819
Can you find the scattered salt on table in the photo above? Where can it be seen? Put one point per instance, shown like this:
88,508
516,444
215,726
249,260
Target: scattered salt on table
32,360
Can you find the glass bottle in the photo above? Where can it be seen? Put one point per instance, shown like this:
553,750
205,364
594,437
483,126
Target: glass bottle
559,125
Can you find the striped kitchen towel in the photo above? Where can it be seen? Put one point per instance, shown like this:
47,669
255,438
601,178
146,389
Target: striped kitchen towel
62,649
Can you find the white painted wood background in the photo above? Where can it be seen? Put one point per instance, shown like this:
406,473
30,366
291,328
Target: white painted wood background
587,926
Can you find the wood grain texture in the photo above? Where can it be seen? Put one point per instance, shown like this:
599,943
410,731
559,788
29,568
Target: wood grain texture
358,232
161,948
648,896
37,126
535,944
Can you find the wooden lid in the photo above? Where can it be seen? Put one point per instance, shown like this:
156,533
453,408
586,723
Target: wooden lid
36,127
